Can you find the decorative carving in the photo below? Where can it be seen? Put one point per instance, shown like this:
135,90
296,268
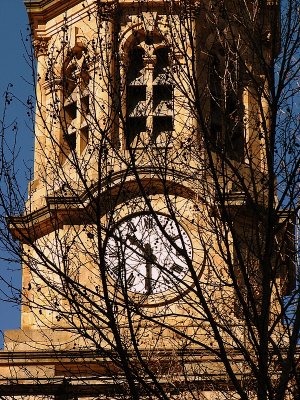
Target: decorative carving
149,61
107,11
150,21
41,46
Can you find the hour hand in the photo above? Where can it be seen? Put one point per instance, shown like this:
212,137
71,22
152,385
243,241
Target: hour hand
146,249
135,242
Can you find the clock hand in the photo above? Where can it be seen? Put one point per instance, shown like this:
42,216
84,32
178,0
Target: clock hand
150,259
147,249
148,277
134,241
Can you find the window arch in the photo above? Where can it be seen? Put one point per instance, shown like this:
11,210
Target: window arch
149,94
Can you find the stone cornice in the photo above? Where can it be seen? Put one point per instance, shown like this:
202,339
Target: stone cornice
50,387
58,211
81,355
47,9
44,6
95,373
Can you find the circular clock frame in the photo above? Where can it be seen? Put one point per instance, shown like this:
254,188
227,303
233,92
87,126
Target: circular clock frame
183,280
147,253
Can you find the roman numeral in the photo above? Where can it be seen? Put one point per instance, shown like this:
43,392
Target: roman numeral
148,223
178,254
113,254
130,280
115,269
177,269
166,280
131,226
176,237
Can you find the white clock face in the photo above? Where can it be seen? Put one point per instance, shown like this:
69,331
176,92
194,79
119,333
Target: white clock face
147,254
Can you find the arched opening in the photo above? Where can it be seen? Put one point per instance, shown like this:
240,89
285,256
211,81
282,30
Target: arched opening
76,101
149,94
226,106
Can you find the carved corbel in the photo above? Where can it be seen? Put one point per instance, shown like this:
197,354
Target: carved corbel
40,46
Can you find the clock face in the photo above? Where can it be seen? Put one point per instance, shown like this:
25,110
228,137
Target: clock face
147,254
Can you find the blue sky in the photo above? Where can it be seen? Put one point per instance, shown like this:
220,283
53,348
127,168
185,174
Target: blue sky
14,69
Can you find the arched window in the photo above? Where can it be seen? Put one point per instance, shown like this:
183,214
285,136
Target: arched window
226,107
75,104
216,103
136,91
149,95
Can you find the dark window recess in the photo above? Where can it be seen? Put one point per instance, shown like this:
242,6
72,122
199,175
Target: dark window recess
162,66
160,125
234,131
162,93
162,98
134,96
71,112
85,133
85,102
216,106
85,76
68,116
84,138
69,85
134,128
226,127
136,64
71,140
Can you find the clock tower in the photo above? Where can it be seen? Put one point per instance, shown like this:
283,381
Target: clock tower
140,250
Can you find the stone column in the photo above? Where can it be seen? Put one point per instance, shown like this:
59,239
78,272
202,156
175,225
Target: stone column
41,53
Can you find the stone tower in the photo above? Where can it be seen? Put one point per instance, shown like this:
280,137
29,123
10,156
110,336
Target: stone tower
147,151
